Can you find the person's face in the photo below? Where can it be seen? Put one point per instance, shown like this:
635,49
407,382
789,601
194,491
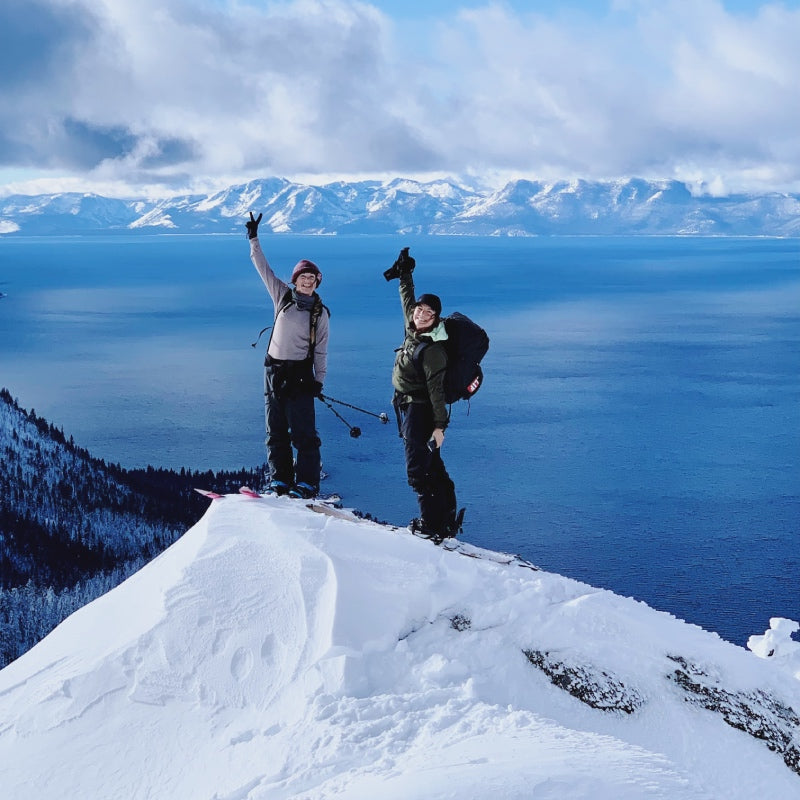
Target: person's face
306,283
424,317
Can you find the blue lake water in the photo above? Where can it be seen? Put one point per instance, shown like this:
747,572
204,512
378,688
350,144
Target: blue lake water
639,427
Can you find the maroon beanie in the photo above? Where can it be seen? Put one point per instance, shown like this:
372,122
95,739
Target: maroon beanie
306,266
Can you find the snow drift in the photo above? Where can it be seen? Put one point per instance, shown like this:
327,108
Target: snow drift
273,652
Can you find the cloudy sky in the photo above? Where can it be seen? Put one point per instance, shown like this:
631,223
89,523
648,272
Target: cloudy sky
158,96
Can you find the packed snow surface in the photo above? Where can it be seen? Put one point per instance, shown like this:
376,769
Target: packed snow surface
274,652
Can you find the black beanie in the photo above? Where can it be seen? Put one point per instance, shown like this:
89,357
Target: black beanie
432,301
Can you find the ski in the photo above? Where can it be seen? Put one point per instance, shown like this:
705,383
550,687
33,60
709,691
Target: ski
211,495
322,498
451,544
472,551
246,491
331,509
328,499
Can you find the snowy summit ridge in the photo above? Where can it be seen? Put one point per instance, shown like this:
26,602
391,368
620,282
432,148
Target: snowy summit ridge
273,652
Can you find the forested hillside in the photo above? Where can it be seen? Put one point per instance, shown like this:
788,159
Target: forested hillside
72,527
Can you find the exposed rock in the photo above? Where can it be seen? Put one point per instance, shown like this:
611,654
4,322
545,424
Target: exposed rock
587,683
460,622
757,713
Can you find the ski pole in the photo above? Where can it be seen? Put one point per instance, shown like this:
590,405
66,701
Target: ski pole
354,431
382,416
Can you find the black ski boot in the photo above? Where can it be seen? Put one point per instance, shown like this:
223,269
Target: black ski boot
303,491
457,524
454,527
418,527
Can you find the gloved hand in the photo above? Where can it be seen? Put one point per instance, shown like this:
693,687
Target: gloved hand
404,265
252,226
318,389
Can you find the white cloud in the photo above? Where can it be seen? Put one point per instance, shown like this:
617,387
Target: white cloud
176,93
656,93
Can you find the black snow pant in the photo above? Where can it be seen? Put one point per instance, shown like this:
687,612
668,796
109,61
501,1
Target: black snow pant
291,421
427,475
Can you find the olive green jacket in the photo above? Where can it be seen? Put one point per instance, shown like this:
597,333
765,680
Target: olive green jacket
427,385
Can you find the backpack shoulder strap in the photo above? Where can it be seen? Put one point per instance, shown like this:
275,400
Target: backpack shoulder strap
417,353
317,309
285,302
316,313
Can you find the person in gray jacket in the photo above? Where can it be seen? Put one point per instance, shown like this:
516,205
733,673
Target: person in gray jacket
294,371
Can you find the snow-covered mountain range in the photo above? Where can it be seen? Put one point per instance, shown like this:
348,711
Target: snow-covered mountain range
273,653
520,208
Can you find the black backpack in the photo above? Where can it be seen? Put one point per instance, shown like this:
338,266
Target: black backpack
466,344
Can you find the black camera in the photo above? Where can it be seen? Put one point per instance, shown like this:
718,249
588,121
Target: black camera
403,265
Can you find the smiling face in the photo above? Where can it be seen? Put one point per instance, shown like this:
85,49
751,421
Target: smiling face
306,282
424,317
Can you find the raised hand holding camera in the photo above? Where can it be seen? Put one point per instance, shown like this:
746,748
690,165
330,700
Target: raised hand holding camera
404,264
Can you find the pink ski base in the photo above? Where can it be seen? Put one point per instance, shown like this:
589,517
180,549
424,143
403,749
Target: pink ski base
212,495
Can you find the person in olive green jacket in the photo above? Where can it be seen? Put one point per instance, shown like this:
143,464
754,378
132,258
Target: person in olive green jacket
418,380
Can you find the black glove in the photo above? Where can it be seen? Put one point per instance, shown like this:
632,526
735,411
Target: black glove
252,226
403,266
318,389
